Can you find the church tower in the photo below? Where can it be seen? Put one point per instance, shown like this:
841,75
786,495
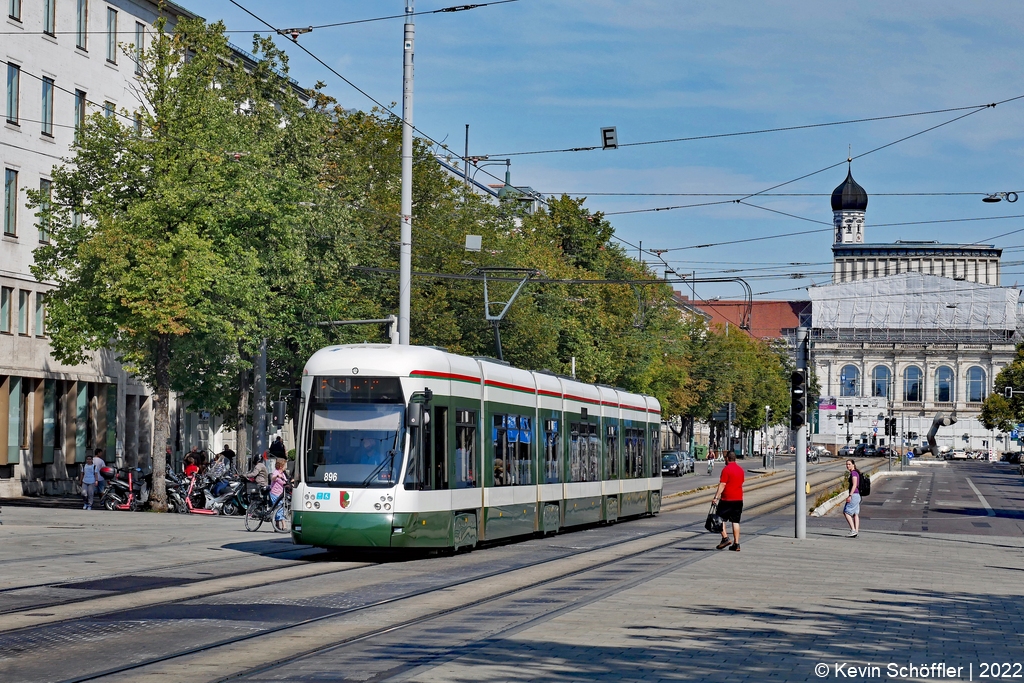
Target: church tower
849,201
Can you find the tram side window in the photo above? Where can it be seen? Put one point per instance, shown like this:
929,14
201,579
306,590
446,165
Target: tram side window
522,471
499,437
575,459
439,466
594,454
655,469
465,449
552,441
634,452
612,450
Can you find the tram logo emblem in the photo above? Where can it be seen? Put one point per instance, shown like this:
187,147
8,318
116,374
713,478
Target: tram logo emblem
345,499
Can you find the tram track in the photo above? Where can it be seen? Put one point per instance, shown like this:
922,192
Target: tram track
705,497
106,593
258,641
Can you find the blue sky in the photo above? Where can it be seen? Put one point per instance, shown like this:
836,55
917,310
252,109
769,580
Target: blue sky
540,74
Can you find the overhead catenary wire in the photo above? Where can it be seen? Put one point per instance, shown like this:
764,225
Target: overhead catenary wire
355,87
443,10
758,131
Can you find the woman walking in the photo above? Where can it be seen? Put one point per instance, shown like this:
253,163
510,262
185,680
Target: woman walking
852,508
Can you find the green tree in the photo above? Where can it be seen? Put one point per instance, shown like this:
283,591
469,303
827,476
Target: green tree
145,220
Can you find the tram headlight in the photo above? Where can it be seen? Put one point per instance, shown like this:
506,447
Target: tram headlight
316,504
387,506
308,505
376,506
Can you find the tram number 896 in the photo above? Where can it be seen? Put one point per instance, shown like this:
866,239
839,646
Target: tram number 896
330,476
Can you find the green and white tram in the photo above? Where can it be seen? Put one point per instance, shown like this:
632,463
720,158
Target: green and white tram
412,447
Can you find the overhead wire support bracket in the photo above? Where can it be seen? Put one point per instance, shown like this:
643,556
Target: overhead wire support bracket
522,276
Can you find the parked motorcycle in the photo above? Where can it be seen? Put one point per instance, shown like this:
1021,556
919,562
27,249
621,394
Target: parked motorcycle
127,488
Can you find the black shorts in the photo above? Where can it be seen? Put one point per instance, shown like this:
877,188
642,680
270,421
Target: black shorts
730,510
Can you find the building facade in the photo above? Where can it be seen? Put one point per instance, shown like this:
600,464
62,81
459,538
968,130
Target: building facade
908,330
855,259
63,60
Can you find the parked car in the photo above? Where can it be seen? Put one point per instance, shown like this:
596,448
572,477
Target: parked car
865,450
885,452
689,462
957,455
847,451
672,465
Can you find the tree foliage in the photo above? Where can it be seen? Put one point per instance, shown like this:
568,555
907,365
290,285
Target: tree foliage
237,210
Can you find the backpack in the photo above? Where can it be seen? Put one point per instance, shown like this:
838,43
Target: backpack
865,485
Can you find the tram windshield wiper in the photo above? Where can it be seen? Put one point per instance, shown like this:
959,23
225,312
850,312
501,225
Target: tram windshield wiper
390,461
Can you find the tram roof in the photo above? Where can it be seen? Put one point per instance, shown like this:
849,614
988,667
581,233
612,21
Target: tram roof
392,360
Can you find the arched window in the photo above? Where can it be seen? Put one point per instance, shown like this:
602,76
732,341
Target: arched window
944,386
849,381
880,377
912,384
977,388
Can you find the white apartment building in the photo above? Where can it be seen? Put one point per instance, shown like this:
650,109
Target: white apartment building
62,60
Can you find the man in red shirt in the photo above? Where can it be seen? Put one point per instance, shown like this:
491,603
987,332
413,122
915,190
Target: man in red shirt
729,498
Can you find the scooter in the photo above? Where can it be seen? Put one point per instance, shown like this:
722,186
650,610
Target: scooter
193,510
129,492
233,501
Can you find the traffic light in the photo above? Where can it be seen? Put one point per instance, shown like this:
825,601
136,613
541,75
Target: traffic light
1008,392
798,404
849,415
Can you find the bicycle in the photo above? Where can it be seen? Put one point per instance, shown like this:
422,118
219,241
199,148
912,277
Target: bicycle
711,466
262,510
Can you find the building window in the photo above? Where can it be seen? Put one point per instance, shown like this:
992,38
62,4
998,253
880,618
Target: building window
40,314
912,384
849,381
13,90
944,385
977,390
880,378
80,101
47,119
108,109
23,297
14,9
140,38
82,22
6,294
112,35
46,192
49,17
10,202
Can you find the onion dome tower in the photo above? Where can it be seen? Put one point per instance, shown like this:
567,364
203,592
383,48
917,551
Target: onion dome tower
849,202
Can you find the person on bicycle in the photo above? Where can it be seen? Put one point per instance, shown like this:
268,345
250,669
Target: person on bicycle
278,479
711,464
259,471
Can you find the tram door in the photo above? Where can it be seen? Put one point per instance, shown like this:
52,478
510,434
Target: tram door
428,463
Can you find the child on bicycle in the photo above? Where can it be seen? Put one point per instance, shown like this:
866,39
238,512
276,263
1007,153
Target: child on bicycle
278,479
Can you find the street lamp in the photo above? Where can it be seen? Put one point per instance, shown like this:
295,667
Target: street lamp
507,187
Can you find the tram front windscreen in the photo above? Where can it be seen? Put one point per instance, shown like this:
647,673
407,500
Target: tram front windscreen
355,446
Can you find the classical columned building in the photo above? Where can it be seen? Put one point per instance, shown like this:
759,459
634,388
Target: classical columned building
908,330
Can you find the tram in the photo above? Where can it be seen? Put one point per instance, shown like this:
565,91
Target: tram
413,447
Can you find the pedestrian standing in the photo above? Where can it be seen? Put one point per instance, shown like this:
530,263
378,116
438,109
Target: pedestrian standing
729,501
87,480
852,508
278,479
98,464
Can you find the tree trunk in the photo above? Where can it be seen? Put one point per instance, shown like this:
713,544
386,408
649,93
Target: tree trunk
241,441
161,422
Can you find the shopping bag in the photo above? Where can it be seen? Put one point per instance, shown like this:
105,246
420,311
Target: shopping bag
713,523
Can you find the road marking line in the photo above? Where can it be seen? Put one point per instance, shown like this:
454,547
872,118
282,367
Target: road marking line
988,508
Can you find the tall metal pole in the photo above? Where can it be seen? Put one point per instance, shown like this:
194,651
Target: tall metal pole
465,164
801,445
405,252
259,423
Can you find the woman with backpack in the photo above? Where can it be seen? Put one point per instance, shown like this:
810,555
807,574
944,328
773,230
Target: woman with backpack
852,508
